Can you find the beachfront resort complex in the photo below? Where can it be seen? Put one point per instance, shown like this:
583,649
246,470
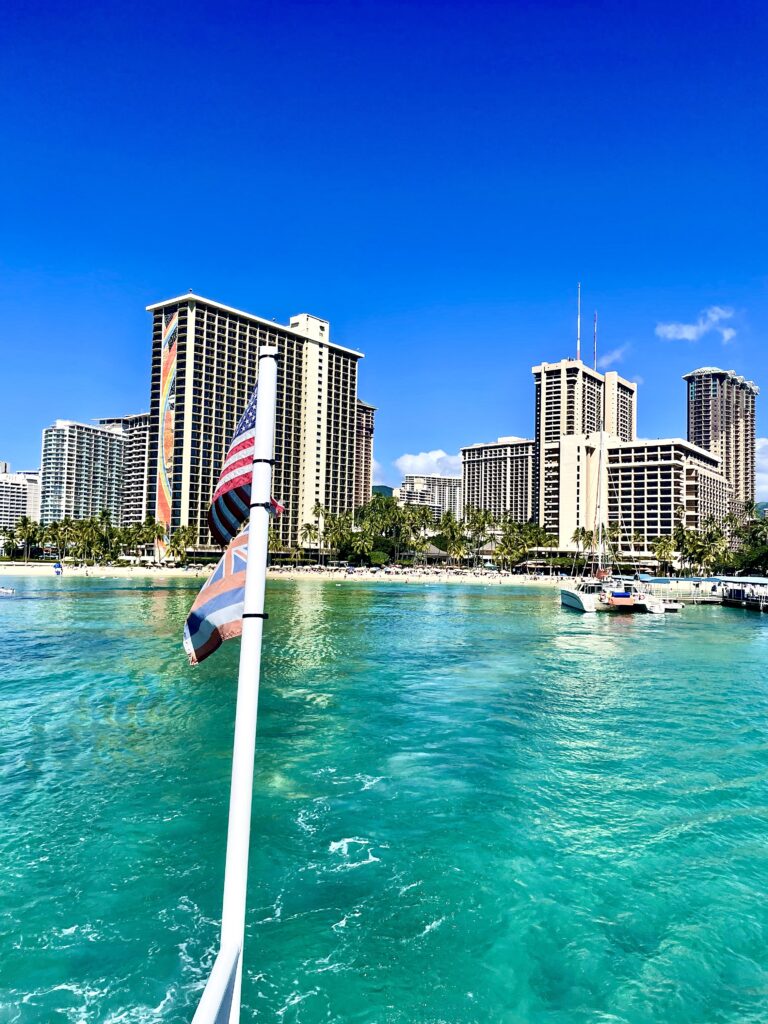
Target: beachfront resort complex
204,365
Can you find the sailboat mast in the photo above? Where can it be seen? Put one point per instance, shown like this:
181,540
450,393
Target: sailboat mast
594,335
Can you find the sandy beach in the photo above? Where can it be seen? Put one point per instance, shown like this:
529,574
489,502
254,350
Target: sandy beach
430,575
42,569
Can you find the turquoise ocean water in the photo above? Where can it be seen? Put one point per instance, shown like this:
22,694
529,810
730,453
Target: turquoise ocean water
470,806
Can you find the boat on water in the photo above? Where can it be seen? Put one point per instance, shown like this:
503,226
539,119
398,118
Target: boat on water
582,596
606,595
7,592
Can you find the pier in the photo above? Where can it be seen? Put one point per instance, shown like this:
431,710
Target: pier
752,596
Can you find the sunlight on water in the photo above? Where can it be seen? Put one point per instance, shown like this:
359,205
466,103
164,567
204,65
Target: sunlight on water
470,805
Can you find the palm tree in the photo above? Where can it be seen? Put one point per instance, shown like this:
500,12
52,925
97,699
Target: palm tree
479,523
577,538
309,535
67,534
274,540
663,548
181,539
9,542
27,532
509,548
320,513
455,539
508,551
153,532
362,541
338,529
52,536
421,521
680,534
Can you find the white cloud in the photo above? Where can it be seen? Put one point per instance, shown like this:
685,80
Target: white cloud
761,482
709,320
378,473
637,379
435,463
616,355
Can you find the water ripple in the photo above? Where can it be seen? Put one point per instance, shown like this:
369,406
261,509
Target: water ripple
469,806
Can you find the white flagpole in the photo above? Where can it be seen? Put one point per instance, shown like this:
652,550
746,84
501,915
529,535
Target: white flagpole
239,831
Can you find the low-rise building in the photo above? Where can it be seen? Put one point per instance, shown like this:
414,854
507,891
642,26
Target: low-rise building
641,489
498,477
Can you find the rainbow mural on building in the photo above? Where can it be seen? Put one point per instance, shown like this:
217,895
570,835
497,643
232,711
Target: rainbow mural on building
167,425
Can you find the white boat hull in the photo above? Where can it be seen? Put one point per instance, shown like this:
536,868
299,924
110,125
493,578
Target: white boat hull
577,601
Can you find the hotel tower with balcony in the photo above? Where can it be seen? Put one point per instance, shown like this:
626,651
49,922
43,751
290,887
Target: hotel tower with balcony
204,369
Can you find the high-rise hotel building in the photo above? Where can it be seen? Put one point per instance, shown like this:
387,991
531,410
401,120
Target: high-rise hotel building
135,473
204,369
573,399
721,419
364,453
441,494
82,471
19,496
498,477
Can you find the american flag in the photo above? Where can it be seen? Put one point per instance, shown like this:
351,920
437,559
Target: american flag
217,614
230,505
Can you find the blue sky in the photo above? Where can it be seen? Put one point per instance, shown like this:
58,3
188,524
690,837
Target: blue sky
432,178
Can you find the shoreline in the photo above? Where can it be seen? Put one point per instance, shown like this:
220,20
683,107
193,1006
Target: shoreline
469,576
42,570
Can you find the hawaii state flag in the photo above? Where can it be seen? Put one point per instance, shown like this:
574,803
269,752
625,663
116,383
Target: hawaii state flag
217,614
230,505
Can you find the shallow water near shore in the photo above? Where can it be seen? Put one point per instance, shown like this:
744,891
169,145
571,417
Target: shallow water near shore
470,806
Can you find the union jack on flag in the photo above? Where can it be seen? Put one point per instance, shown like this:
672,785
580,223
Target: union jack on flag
230,505
217,614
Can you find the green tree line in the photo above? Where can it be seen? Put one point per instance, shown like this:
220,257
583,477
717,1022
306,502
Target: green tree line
383,531
94,540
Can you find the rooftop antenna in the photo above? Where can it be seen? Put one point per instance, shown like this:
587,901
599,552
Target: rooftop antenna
578,322
594,332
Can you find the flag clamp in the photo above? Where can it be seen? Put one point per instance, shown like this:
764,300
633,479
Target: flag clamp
269,462
262,504
255,615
